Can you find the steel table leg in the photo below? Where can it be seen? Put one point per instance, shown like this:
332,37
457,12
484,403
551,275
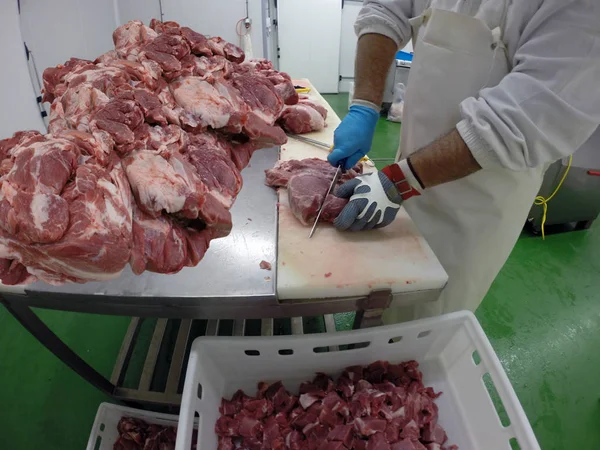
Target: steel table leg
32,323
371,309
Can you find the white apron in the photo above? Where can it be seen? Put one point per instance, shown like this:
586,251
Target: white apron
471,224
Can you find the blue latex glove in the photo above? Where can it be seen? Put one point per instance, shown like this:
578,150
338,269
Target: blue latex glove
352,139
374,203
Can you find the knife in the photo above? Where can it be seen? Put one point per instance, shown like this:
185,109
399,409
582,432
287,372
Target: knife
330,147
336,177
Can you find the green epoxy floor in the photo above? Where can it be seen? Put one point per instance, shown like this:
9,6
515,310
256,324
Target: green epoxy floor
542,316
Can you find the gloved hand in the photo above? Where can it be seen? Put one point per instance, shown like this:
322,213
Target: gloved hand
374,203
375,198
353,137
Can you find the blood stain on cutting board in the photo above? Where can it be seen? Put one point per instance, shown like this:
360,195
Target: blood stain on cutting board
327,275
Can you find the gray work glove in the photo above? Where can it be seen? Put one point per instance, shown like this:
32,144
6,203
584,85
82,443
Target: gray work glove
374,203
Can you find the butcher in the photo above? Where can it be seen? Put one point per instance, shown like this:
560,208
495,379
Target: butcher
498,90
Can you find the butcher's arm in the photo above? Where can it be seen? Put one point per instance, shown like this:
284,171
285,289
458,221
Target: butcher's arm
447,159
374,55
545,109
382,27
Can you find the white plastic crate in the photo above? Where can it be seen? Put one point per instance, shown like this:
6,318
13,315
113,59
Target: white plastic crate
108,416
444,346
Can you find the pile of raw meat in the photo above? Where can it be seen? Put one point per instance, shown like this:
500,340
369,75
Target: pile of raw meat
379,407
143,157
307,181
135,434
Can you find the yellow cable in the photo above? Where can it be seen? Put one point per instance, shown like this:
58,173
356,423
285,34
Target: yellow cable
541,201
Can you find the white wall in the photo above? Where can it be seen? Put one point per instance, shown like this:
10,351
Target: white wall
144,10
18,107
60,29
348,48
217,18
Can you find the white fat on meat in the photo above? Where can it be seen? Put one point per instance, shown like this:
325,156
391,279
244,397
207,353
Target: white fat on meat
316,120
200,98
39,210
56,269
156,183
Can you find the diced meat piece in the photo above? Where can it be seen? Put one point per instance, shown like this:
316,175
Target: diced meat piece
265,265
364,385
225,443
294,440
229,408
330,418
328,445
315,435
345,387
305,419
407,444
359,444
227,426
375,371
271,432
360,405
249,427
259,409
378,442
308,399
368,426
433,432
323,382
354,373
410,431
342,433
433,446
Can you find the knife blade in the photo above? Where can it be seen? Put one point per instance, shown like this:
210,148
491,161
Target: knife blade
336,177
310,141
323,145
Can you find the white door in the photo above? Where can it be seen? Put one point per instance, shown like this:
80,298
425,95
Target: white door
309,41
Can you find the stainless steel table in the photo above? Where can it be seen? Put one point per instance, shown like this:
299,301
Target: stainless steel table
227,284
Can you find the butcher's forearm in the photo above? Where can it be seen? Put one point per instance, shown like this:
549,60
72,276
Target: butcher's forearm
374,56
446,159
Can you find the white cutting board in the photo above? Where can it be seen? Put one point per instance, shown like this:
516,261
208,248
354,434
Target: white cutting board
333,264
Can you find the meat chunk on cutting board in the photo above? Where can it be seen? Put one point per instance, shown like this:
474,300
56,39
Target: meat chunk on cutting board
307,180
306,192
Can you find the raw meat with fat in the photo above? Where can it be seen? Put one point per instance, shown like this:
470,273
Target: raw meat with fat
321,418
304,117
143,157
307,181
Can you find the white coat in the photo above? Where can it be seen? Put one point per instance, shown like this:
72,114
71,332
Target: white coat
518,110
